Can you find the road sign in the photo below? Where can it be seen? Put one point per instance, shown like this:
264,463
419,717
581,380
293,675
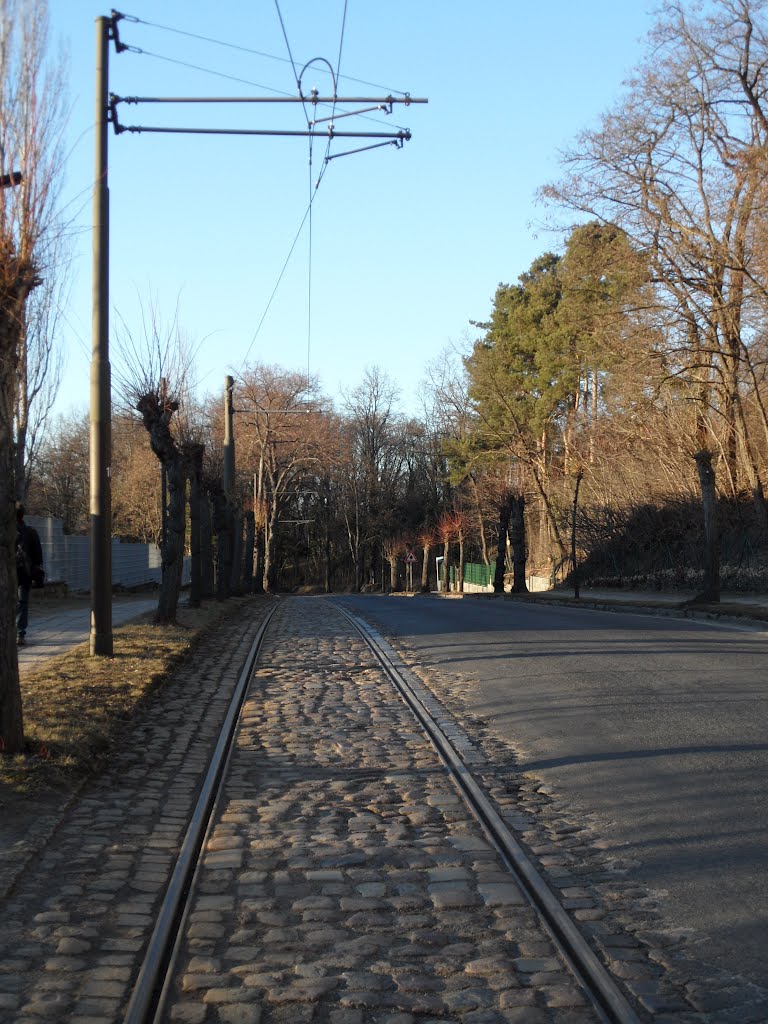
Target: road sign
410,558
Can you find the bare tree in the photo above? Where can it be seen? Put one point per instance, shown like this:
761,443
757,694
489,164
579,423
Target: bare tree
284,437
680,165
153,378
374,466
39,371
31,159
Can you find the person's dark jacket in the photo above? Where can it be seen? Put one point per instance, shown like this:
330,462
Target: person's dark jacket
29,569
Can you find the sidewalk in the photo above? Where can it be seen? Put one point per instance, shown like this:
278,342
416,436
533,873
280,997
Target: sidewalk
57,625
751,607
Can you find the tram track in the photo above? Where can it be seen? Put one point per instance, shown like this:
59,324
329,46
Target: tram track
152,989
594,979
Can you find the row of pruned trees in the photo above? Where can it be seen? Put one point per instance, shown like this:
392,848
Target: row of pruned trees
319,492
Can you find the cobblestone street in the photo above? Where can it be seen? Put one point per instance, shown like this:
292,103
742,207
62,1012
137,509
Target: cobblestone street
343,880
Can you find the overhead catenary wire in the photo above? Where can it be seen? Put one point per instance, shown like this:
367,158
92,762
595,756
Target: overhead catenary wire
246,49
312,193
393,138
289,97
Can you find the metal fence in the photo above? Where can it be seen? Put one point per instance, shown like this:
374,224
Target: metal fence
66,558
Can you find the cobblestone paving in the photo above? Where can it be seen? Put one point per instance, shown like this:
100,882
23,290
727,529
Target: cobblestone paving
344,881
73,925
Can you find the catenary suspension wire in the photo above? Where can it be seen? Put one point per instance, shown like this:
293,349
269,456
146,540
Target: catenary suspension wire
206,71
326,161
312,194
246,49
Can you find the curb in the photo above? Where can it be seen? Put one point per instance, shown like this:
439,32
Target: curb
678,610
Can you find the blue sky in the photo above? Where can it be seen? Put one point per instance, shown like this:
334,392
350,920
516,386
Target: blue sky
408,245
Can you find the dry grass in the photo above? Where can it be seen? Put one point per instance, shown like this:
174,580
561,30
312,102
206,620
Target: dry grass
75,707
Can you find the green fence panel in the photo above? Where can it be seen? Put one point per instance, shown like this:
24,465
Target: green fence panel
479,573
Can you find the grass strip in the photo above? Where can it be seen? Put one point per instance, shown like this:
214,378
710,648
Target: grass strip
76,707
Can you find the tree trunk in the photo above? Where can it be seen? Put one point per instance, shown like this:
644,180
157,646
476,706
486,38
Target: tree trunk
248,553
460,568
574,566
259,546
194,455
446,574
235,583
425,570
327,545
196,575
517,540
270,553
505,510
156,413
172,547
208,576
711,591
223,545
11,720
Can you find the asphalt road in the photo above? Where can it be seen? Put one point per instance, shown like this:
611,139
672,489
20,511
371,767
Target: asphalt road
657,727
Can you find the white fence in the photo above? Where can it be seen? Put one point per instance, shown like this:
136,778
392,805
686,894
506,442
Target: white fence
67,558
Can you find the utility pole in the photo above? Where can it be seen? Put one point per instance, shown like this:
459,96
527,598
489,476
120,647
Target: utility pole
163,473
100,408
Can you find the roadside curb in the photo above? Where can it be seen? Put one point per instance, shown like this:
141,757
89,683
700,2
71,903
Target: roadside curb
671,609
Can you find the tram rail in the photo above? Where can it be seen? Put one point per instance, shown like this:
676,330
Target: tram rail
151,989
593,978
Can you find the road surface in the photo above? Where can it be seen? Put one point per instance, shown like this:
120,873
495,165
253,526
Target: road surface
654,728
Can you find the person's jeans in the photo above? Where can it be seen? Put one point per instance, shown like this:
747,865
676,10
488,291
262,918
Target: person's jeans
22,611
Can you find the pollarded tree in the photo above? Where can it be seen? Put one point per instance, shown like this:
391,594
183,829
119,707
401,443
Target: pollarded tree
153,377
136,482
30,133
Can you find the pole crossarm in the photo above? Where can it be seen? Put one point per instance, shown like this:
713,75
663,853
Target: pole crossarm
331,132
383,101
395,137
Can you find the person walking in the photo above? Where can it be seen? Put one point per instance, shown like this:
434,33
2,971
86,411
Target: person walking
29,570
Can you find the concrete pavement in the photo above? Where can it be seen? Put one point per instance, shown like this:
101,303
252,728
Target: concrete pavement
56,626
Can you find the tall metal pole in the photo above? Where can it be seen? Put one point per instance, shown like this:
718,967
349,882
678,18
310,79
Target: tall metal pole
100,415
229,440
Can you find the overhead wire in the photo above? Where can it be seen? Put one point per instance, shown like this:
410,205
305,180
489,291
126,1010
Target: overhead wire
313,190
207,71
256,53
138,51
322,172
312,193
